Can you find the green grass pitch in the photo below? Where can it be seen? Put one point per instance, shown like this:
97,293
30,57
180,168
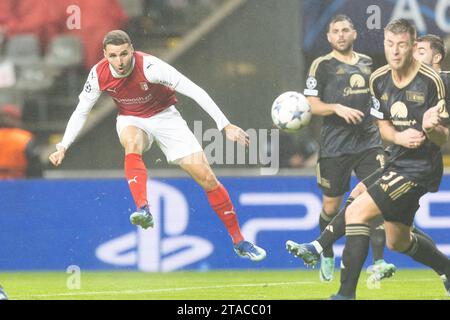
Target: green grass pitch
214,285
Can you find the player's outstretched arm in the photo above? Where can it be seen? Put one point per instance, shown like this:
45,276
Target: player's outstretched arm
234,133
87,99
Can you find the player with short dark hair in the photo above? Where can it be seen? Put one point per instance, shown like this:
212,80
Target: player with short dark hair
144,89
431,50
337,88
408,100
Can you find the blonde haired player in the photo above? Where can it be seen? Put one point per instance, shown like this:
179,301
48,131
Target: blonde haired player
144,89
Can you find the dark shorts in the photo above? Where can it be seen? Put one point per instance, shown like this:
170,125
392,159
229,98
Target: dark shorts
397,197
333,174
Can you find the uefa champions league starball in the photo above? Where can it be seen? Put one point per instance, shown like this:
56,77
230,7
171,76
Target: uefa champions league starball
291,111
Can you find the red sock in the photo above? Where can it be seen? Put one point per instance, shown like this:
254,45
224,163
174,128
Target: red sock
136,174
221,203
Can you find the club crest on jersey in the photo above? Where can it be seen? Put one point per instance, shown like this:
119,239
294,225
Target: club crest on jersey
144,86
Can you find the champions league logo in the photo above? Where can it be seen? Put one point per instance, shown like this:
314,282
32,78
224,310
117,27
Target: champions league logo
311,83
375,103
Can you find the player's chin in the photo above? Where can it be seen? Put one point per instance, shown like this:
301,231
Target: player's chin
343,47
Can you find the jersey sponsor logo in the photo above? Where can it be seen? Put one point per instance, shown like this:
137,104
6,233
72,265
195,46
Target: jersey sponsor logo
399,110
357,86
349,91
113,90
138,100
311,83
357,81
399,115
415,96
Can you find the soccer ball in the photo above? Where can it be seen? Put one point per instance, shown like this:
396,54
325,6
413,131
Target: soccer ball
291,111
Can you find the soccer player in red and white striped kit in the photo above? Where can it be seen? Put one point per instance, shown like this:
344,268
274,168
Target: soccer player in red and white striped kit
144,89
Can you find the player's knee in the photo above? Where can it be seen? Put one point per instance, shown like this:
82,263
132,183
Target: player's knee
350,214
209,181
330,207
354,214
397,245
133,145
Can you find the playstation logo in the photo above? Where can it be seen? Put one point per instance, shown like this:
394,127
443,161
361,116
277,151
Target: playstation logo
164,248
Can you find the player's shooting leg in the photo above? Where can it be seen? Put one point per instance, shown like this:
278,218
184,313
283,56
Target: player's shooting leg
419,247
358,215
197,166
329,210
135,141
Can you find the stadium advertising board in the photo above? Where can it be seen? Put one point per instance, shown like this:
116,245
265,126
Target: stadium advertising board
50,225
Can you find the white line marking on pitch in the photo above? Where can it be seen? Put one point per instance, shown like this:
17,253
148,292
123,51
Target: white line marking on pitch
263,285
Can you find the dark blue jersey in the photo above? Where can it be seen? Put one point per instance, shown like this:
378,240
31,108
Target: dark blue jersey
404,107
334,81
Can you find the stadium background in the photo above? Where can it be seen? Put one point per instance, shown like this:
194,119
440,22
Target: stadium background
244,54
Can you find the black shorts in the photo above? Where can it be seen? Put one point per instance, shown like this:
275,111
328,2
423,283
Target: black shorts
333,174
397,197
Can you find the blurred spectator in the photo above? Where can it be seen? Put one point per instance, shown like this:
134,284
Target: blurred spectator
19,157
40,17
47,18
297,150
